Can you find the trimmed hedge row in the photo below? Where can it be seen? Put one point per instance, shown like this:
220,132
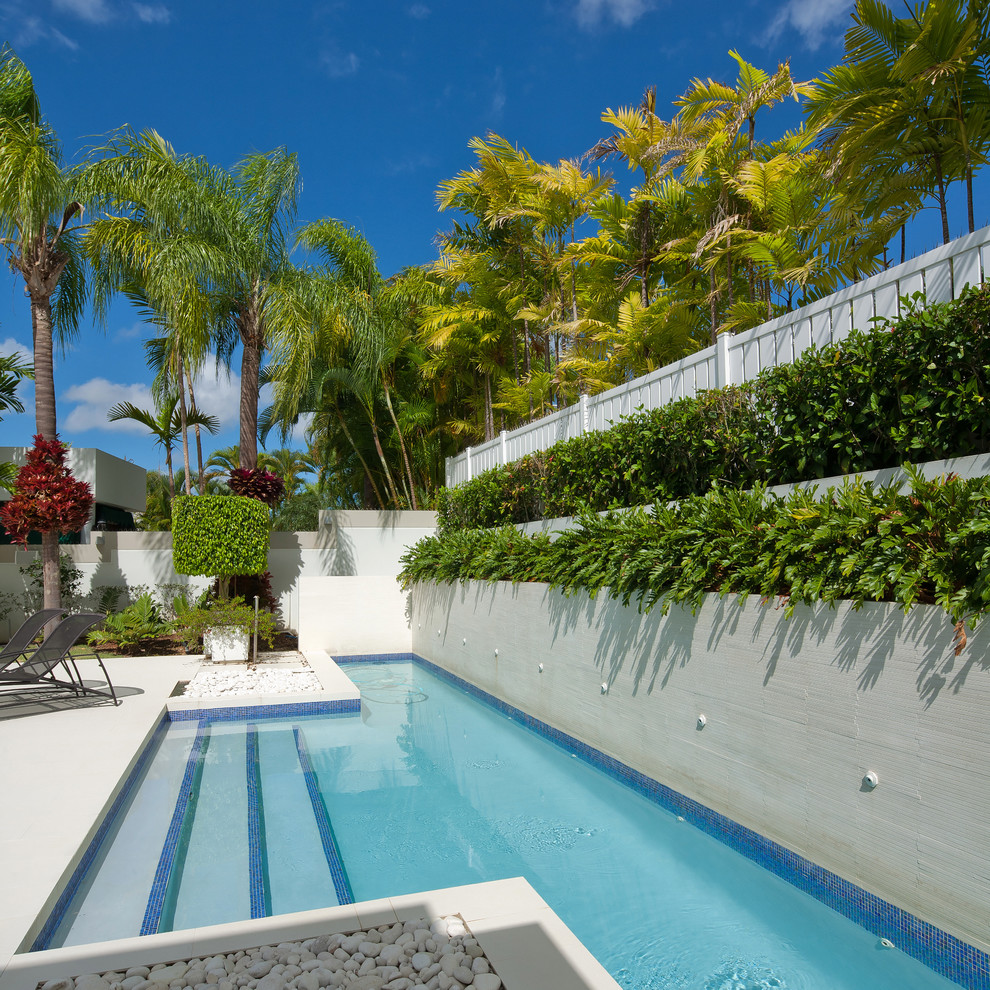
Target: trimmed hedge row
857,542
914,389
219,534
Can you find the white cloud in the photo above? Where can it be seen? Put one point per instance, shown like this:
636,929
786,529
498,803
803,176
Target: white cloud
25,30
153,13
86,10
132,332
498,97
10,347
812,19
94,398
338,64
216,394
57,35
420,11
220,395
590,13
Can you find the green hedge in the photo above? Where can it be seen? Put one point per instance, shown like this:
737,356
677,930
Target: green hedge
858,542
219,535
913,389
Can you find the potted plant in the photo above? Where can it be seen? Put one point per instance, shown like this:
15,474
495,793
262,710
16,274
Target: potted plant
222,536
225,627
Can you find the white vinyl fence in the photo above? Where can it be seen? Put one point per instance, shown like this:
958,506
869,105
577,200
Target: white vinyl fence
941,275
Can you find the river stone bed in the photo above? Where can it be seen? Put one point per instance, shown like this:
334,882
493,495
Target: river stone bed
276,673
441,954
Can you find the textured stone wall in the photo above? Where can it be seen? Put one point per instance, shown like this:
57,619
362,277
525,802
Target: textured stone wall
797,712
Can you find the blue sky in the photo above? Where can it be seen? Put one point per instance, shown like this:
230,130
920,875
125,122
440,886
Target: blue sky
379,100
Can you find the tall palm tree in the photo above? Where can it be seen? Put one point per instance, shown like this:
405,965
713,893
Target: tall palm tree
37,206
206,248
909,107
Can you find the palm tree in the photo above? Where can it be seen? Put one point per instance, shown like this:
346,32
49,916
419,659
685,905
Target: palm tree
338,335
13,370
37,205
206,249
165,424
909,108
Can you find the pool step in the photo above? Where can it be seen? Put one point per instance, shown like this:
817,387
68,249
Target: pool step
211,863
291,838
178,831
341,884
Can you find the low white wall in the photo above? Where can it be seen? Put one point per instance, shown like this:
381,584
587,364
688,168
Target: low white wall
797,711
348,545
348,615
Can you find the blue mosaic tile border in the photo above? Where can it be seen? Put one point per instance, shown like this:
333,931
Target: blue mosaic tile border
375,658
940,951
347,706
257,872
341,884
54,919
159,887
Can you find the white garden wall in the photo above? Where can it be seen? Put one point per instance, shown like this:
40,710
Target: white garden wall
797,712
348,545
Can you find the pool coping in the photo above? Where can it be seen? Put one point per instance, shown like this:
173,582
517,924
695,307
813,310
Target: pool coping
336,686
523,939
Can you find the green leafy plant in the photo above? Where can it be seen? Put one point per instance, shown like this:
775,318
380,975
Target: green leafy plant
911,389
135,624
223,613
859,542
219,535
69,579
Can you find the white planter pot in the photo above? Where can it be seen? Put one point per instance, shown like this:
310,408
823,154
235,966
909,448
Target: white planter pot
227,644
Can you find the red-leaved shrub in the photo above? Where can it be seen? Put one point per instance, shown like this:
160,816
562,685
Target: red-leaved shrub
263,485
46,496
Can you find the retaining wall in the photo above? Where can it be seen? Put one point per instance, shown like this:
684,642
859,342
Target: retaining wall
797,712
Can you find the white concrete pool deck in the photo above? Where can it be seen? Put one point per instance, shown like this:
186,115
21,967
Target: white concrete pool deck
63,761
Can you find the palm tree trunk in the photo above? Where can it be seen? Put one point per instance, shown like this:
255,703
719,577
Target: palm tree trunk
44,377
389,480
360,457
184,426
712,304
250,375
942,206
969,194
199,442
44,413
402,446
489,418
171,475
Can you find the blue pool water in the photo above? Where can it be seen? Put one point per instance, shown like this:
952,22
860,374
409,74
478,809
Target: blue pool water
429,788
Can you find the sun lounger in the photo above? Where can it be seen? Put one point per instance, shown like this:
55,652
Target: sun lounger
38,670
20,642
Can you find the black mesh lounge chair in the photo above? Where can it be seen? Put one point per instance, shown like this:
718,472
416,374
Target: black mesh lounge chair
23,637
38,670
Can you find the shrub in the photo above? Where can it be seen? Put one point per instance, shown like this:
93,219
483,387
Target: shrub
132,626
858,542
47,498
219,535
912,389
258,483
227,613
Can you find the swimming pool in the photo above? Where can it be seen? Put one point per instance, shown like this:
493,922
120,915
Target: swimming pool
430,788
